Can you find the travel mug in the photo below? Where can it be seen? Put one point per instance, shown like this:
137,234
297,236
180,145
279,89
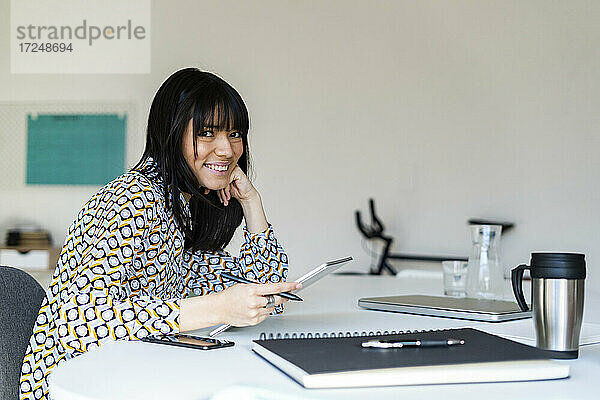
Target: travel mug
557,285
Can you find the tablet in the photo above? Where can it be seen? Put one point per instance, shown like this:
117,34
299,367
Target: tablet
321,271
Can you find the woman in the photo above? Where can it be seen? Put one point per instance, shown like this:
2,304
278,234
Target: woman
152,237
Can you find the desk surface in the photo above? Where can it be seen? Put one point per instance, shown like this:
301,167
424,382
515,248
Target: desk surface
138,370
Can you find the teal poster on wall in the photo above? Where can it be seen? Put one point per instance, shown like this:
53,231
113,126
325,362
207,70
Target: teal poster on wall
75,149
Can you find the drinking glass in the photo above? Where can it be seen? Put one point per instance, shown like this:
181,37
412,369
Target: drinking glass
455,278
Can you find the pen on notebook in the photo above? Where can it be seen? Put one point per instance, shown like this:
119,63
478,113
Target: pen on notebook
285,295
396,344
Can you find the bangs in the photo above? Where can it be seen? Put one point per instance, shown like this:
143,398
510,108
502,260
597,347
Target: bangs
220,106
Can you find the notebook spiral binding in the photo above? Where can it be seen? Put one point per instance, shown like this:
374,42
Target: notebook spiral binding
333,335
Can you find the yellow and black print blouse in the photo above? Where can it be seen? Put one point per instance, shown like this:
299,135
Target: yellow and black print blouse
122,272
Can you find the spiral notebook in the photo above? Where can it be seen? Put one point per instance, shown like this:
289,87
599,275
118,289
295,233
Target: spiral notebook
325,335
337,361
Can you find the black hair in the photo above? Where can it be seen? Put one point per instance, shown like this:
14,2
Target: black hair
209,101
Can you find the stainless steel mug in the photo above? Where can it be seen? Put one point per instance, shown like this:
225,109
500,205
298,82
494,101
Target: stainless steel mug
557,286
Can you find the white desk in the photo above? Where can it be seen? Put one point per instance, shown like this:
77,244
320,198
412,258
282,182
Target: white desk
138,370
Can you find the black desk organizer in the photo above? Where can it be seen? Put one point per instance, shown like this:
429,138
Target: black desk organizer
376,231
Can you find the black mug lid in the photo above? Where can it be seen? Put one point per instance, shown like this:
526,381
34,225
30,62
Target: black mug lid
558,265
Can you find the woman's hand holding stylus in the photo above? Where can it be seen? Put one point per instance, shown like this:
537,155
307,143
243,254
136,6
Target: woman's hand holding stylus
239,305
244,304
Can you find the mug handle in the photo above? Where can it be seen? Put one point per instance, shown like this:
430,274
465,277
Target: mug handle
517,285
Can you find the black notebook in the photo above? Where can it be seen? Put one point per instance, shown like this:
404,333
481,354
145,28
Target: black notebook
342,362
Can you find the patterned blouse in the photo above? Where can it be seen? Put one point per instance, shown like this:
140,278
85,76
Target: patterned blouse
122,273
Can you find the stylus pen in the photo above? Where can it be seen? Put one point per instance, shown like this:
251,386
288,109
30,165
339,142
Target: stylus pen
218,330
396,344
285,295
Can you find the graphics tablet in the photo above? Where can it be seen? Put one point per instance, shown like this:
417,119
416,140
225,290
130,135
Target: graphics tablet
449,307
320,272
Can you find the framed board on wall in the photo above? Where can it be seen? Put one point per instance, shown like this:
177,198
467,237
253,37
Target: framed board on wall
64,144
75,149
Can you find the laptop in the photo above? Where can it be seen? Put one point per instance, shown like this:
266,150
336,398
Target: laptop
448,307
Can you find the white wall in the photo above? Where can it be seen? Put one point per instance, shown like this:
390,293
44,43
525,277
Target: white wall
441,110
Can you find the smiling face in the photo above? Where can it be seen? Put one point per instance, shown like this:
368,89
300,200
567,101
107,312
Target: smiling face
216,156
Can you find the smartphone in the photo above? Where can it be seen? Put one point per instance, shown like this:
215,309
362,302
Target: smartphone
191,341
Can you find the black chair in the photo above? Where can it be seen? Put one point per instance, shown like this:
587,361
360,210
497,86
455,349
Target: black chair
20,300
376,231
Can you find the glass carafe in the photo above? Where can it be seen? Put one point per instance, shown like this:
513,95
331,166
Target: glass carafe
485,275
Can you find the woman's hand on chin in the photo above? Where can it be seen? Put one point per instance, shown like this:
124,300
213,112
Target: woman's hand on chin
240,187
